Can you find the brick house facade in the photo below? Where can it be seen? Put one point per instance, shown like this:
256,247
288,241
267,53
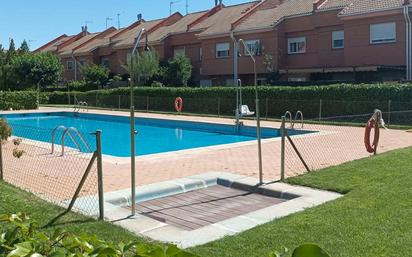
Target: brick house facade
306,40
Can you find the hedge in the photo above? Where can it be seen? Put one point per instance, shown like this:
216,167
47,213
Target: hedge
18,100
360,92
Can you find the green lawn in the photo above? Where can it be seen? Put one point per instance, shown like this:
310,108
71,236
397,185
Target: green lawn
373,219
13,200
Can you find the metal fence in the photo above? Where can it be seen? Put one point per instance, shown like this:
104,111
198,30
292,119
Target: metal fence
331,135
335,140
69,176
269,108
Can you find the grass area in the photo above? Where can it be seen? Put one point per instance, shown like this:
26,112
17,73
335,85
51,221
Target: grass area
373,219
13,200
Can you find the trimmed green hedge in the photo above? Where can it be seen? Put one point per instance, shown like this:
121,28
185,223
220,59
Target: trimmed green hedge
362,92
18,100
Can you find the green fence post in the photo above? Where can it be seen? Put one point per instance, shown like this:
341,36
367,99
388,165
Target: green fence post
267,108
282,148
147,103
100,173
320,109
389,112
218,106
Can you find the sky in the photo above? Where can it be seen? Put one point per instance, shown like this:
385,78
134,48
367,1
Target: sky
39,22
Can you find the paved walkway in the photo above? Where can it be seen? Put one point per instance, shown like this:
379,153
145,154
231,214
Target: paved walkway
331,145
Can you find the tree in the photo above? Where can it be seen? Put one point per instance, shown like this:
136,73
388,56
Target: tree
12,46
36,69
143,66
95,75
24,48
179,70
272,75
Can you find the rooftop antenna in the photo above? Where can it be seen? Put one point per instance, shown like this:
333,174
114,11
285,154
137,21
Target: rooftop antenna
172,3
118,21
107,20
187,7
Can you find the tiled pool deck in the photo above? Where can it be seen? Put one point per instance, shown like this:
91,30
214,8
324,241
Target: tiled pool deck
333,146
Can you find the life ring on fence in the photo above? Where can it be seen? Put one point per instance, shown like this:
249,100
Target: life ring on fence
178,104
373,123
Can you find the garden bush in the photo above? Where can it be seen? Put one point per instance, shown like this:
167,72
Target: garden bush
18,100
337,100
20,237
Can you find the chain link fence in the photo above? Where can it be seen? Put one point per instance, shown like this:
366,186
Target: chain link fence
66,176
339,139
316,109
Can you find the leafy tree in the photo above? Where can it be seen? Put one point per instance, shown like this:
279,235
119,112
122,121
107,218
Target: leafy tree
272,75
36,69
24,48
12,46
179,70
143,66
95,75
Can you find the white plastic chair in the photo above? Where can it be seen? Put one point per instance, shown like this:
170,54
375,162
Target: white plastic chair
244,111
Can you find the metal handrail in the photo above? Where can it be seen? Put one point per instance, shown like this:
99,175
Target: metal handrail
292,121
288,113
296,118
68,132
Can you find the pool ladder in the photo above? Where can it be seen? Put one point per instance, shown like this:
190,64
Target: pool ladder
79,105
68,131
293,121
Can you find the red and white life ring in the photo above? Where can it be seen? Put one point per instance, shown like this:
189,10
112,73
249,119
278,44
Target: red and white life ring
178,104
372,124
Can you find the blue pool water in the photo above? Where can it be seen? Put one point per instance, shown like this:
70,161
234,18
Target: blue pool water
154,135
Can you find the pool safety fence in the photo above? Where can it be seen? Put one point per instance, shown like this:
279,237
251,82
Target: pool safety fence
333,141
72,179
270,108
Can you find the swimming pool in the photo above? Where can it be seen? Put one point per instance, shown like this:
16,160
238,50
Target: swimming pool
154,135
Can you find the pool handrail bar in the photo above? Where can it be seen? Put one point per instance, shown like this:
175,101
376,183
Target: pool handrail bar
296,118
68,132
292,121
289,114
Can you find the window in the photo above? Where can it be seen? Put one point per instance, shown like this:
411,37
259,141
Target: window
70,65
261,81
296,45
179,51
222,50
253,46
383,33
206,83
105,63
338,39
82,63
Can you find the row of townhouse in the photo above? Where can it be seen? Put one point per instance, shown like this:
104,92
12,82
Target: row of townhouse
322,40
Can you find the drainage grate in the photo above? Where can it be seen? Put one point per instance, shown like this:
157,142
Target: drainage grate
195,209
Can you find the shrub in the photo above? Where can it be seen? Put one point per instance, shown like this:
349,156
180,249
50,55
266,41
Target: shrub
179,70
338,100
5,130
21,238
96,76
18,100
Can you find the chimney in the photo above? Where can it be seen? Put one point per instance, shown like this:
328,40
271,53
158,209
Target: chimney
220,2
216,1
139,17
84,30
